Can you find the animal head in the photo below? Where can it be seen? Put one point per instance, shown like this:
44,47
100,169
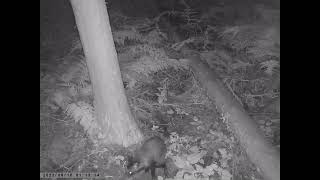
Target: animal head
131,165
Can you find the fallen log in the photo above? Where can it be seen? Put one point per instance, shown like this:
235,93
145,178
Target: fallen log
259,150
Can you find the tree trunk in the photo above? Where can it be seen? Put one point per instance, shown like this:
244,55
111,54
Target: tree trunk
112,111
261,153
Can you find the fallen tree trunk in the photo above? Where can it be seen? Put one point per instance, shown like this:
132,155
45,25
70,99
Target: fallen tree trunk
260,152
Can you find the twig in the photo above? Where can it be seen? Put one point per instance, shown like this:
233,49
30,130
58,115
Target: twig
171,104
231,90
260,95
54,118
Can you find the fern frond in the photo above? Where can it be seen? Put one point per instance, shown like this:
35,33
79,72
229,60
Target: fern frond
119,37
151,59
177,46
76,45
154,37
83,113
267,44
190,15
75,72
230,31
73,80
60,99
240,38
270,66
258,41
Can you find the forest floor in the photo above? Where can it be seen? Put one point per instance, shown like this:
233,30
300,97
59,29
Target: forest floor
162,100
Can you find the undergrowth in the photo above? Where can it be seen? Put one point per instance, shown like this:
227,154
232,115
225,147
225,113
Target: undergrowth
246,56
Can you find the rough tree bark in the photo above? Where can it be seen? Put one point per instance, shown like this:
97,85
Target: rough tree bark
261,153
112,111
